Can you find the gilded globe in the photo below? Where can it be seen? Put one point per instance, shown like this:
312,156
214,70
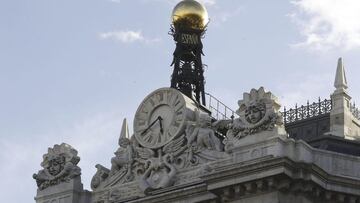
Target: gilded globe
190,14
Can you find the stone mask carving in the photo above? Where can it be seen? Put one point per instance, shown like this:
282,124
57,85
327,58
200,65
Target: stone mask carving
59,165
256,109
255,112
56,165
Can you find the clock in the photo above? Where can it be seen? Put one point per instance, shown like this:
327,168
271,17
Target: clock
162,116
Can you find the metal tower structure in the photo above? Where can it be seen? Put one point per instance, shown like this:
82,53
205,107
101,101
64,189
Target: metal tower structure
190,19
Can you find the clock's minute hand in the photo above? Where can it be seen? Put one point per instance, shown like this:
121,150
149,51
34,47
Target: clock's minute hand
158,118
161,127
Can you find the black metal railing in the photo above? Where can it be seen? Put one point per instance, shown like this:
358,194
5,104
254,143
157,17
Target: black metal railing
221,111
307,111
355,111
218,109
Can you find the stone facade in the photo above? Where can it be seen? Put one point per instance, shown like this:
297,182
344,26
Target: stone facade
179,153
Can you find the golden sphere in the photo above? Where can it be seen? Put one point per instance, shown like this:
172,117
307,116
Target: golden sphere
190,14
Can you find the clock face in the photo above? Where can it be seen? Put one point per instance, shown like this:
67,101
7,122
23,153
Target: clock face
160,118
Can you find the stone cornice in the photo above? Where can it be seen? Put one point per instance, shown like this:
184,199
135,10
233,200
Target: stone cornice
280,174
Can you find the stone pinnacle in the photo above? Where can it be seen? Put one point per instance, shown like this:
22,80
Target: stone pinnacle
340,79
124,130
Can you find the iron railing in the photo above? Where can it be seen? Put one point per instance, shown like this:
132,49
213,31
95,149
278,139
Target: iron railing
355,111
219,110
307,111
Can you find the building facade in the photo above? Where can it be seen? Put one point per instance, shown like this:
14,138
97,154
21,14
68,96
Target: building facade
185,149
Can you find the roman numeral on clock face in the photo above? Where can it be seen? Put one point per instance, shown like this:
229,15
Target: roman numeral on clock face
155,99
175,100
169,97
140,128
148,136
159,97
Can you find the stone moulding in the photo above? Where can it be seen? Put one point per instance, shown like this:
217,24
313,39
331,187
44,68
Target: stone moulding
285,176
290,167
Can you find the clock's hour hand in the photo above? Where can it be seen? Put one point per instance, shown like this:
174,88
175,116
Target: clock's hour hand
153,123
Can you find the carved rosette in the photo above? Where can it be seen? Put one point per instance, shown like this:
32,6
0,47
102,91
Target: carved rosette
59,165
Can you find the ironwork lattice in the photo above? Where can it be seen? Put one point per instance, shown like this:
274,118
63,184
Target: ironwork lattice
355,111
307,111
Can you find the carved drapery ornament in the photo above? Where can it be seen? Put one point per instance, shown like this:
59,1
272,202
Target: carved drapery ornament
59,165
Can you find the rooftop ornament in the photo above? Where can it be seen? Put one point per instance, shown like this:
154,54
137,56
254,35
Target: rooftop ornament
190,14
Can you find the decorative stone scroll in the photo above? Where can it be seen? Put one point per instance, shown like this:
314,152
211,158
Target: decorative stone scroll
59,165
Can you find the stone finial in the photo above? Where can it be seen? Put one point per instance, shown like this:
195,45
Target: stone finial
124,130
340,78
124,155
342,120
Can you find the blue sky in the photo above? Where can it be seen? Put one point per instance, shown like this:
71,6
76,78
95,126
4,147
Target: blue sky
70,71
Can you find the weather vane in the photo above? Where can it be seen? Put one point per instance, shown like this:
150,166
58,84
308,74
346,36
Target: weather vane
189,22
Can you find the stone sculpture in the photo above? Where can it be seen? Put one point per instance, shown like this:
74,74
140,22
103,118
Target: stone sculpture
201,135
102,174
160,150
59,165
154,169
121,165
203,145
258,111
160,174
159,170
124,155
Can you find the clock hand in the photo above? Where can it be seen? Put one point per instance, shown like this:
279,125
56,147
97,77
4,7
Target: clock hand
161,127
150,125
